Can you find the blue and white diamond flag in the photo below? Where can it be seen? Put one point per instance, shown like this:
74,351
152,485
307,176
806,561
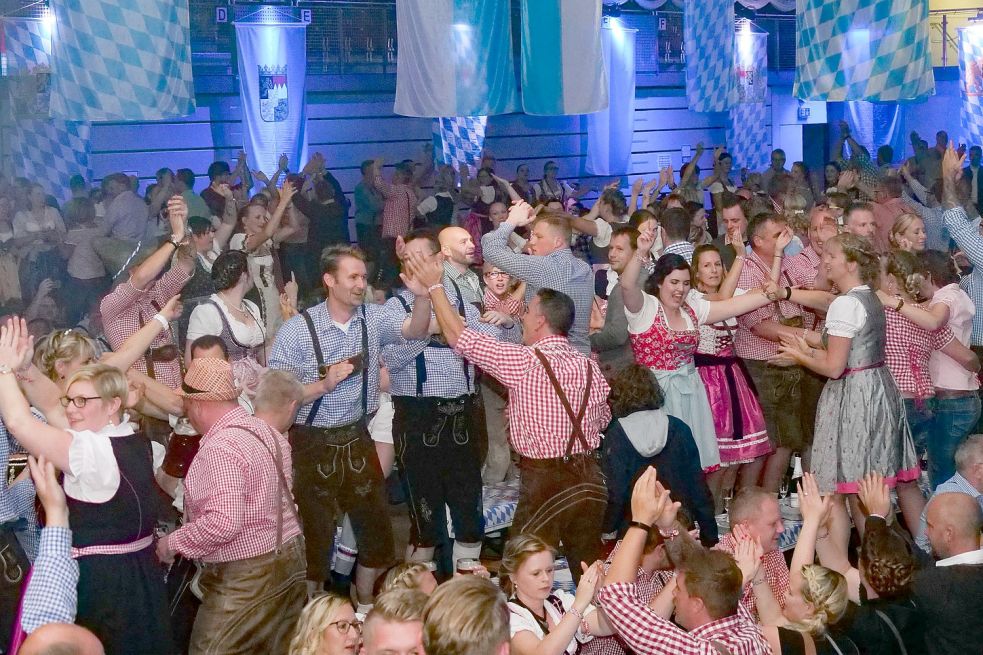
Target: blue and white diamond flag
876,50
27,43
708,37
971,83
121,60
49,152
748,134
459,140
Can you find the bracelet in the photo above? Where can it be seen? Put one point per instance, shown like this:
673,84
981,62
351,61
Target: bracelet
669,534
755,583
639,524
900,305
641,259
432,287
176,244
788,293
163,321
576,612
6,370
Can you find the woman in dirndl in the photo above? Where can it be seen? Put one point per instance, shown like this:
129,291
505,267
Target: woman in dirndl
111,494
664,327
737,417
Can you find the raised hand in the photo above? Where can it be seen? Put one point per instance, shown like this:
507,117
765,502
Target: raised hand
172,308
414,284
784,238
426,271
400,248
587,585
646,239
49,491
283,162
812,504
875,495
520,214
291,289
287,193
747,554
636,186
177,216
13,349
952,163
647,502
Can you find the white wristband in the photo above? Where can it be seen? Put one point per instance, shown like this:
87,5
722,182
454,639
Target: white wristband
163,321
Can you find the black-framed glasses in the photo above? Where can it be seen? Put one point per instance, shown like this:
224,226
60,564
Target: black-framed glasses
496,274
78,401
343,626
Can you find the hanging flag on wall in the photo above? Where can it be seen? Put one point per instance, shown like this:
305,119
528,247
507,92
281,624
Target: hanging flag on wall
748,131
455,58
875,50
971,82
459,140
708,37
27,43
272,79
610,131
562,63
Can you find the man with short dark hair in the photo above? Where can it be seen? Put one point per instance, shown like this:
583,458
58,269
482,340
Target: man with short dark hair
734,222
219,174
972,175
887,207
184,183
777,166
859,219
675,230
610,342
550,265
125,224
557,408
369,203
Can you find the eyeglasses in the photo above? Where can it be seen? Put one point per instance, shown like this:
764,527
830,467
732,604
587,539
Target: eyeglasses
343,626
496,274
78,401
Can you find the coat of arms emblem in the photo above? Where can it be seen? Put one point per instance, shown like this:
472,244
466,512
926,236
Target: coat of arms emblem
273,106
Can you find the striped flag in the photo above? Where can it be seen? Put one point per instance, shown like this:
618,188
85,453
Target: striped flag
455,58
562,61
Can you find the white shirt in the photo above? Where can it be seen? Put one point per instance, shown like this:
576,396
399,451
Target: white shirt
26,223
521,619
846,316
946,372
972,557
651,308
93,475
205,319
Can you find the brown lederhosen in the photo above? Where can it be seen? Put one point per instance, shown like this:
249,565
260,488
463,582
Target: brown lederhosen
563,499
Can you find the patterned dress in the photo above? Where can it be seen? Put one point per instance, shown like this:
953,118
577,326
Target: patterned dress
860,422
737,416
669,354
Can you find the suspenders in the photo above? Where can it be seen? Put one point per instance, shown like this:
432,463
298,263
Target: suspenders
319,356
421,363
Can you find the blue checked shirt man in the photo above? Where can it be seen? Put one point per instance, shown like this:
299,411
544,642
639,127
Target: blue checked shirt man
966,234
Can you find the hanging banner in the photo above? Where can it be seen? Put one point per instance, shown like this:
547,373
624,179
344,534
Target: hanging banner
272,79
748,133
455,58
708,35
971,82
459,140
562,63
121,61
876,50
610,131
27,43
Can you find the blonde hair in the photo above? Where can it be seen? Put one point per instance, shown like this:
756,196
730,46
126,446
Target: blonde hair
314,618
465,616
62,346
395,606
901,225
794,207
517,550
858,250
277,389
405,575
826,590
109,382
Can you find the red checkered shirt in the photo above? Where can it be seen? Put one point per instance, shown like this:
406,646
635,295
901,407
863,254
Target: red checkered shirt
540,427
776,573
647,633
230,494
514,307
126,309
754,275
907,351
397,213
811,259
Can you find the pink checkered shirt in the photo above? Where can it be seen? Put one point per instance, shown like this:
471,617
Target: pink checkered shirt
540,427
795,272
514,307
776,573
647,633
809,258
126,309
397,213
907,351
230,494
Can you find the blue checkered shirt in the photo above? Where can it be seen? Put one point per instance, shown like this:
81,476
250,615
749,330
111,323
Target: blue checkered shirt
17,501
955,484
52,595
682,248
293,351
560,270
444,375
966,234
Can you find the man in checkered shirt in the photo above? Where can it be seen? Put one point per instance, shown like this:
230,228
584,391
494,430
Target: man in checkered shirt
557,408
435,426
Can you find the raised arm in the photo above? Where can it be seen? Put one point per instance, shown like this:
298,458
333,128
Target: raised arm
630,289
144,273
494,246
556,640
723,309
426,277
272,228
830,362
138,343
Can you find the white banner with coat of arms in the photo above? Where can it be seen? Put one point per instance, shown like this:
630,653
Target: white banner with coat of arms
272,77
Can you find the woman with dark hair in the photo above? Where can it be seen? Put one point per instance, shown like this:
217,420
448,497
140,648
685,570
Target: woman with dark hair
642,434
831,177
664,327
522,185
550,188
227,314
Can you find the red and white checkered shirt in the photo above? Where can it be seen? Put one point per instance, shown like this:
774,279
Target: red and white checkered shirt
754,275
907,351
126,309
809,258
776,573
514,307
397,213
647,633
540,427
230,494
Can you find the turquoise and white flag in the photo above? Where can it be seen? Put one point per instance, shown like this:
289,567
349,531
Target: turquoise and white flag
876,50
455,58
562,61
121,61
708,41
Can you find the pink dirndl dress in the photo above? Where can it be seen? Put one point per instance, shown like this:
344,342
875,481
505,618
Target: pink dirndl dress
737,417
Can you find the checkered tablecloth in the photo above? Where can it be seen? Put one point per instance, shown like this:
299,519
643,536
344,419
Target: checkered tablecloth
498,506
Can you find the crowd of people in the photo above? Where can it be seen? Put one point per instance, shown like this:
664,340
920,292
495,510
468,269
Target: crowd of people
210,400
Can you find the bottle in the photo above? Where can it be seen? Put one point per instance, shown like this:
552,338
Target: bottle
181,449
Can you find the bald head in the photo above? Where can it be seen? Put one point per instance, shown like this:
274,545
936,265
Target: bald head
954,521
457,245
61,639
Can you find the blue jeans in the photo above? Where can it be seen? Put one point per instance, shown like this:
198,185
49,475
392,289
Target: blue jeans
921,418
955,419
